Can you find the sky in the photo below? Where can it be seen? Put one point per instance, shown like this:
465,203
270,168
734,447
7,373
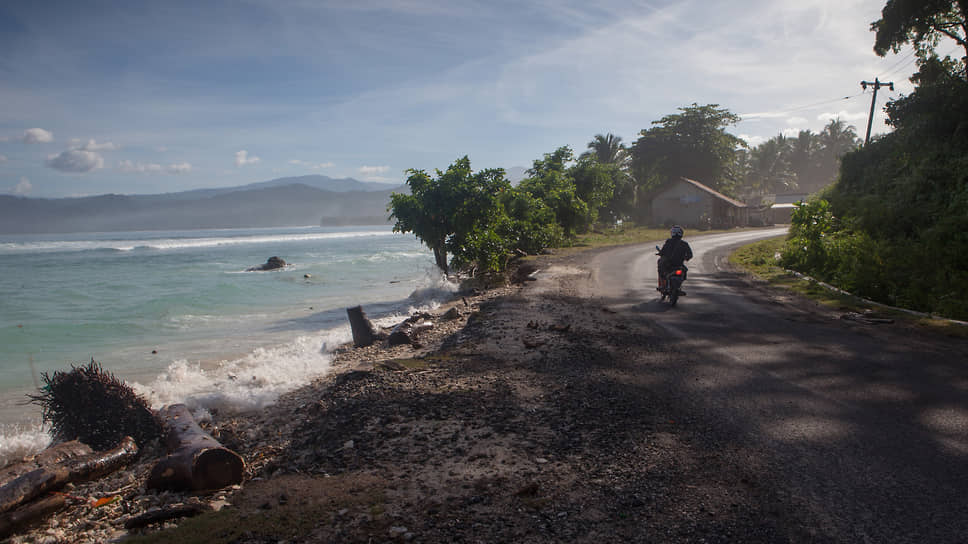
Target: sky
162,96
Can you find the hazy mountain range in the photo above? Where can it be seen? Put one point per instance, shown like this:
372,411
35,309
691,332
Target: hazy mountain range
283,202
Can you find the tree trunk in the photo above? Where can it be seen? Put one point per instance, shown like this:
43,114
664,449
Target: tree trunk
440,257
50,456
363,333
39,481
196,461
11,522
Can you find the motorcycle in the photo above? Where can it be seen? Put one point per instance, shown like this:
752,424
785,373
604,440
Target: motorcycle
673,285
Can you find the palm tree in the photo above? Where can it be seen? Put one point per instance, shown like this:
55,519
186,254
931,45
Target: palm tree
836,140
607,149
804,161
769,170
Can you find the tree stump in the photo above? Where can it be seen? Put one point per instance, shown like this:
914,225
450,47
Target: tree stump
196,461
363,333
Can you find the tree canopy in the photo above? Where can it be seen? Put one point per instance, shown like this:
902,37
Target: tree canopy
922,23
693,144
446,210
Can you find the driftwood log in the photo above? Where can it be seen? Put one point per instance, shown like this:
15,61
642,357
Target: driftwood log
50,456
196,461
165,514
11,522
406,332
87,467
363,332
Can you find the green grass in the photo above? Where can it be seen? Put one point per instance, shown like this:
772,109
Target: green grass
761,260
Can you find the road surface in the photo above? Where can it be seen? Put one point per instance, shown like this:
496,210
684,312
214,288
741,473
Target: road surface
862,429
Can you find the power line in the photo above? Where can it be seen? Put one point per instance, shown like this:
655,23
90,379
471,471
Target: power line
813,105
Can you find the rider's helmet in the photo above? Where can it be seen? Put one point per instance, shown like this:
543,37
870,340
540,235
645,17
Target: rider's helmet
676,231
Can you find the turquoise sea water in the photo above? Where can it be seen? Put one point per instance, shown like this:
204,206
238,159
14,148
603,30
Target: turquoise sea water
175,313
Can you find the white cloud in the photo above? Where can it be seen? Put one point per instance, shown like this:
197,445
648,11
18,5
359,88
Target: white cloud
180,168
3,159
312,165
796,121
92,145
161,149
76,160
753,141
843,116
242,158
37,136
130,167
791,132
373,170
23,187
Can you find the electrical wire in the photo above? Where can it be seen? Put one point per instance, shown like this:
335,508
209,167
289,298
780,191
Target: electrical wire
808,106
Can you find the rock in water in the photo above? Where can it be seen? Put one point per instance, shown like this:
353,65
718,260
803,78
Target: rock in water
272,264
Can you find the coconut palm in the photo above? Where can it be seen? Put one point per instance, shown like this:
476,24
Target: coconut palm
608,149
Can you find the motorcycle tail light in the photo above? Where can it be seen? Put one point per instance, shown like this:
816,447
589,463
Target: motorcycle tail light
678,272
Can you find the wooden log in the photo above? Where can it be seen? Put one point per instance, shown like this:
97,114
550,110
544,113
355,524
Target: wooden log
165,514
196,461
363,332
50,456
11,522
87,467
406,332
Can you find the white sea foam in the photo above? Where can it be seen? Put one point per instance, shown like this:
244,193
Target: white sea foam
249,383
179,243
18,441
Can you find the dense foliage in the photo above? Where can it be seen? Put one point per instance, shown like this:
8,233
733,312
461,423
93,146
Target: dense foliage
924,23
896,227
805,164
692,144
480,220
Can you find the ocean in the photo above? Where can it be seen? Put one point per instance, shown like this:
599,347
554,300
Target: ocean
177,316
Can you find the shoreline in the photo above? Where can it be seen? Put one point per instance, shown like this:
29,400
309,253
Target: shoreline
526,418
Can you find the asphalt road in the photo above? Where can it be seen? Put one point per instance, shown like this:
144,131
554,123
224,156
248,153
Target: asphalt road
860,431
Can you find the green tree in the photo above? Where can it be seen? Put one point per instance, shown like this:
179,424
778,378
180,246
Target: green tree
452,212
550,181
804,161
595,184
769,166
923,23
693,144
835,140
608,149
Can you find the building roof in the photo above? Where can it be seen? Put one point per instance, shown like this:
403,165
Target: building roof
713,192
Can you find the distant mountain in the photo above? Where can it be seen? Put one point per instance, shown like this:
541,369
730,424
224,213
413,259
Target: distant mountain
325,183
275,203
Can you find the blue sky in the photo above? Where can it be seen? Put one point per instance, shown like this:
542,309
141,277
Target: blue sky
159,96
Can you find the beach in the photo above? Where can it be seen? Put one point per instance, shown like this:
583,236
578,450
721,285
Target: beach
526,418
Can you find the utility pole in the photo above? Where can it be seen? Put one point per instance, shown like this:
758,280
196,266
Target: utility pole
877,84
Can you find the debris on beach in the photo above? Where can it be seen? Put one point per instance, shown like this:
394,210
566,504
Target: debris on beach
196,461
90,404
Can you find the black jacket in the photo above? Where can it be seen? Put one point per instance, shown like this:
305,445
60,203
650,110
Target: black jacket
674,252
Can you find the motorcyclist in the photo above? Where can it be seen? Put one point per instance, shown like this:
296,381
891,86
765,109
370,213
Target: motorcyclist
673,254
